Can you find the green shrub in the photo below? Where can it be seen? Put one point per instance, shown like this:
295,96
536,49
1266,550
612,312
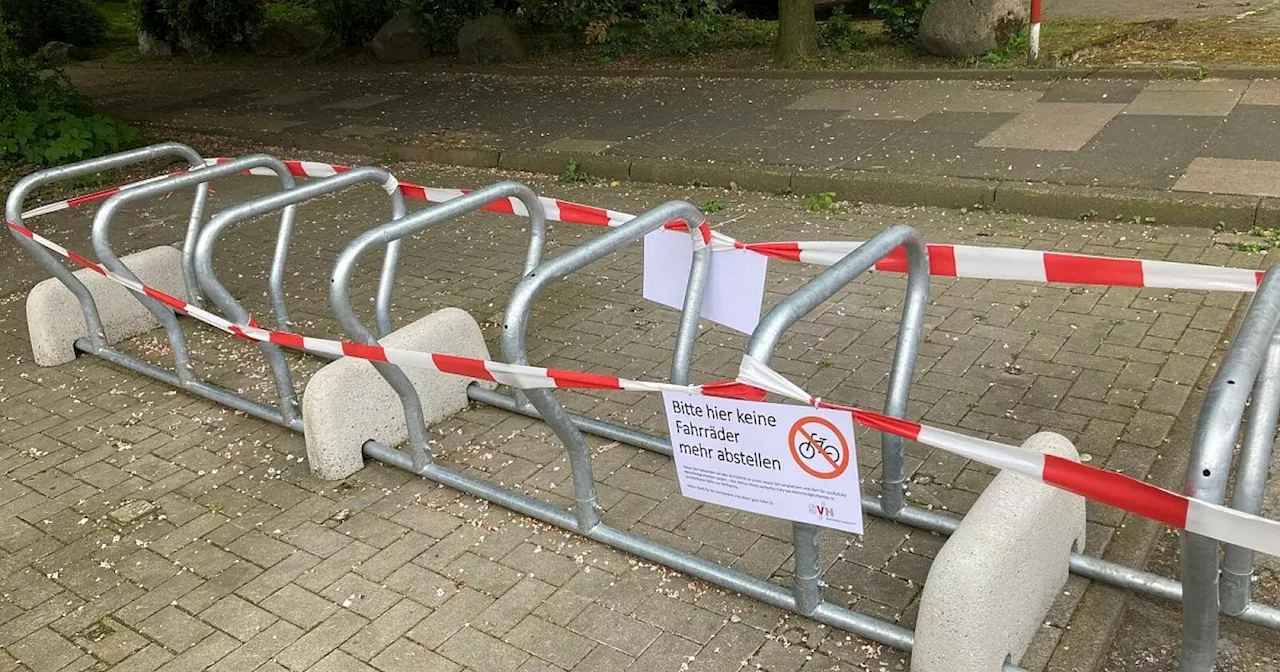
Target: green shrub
79,22
440,20
680,28
901,18
840,34
218,24
50,136
572,16
355,21
36,22
42,122
291,13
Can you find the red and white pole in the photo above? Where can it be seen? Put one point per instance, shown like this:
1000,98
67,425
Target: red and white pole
1035,29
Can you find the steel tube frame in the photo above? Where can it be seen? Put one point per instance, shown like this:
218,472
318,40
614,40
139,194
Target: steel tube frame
18,195
1251,477
764,340
681,356
1086,566
287,201
1209,468
391,233
585,519
101,238
725,577
521,304
1224,588
207,390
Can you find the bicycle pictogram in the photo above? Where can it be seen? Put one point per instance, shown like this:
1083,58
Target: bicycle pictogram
819,447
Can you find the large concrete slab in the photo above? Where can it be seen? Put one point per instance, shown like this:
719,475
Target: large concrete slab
1262,92
1053,126
1185,103
1139,151
890,101
1250,132
1231,176
1093,91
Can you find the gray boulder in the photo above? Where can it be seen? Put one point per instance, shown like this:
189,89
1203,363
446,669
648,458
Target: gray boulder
149,45
970,27
489,39
60,52
399,39
193,45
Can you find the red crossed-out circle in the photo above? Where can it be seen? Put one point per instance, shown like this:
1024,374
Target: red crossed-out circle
802,440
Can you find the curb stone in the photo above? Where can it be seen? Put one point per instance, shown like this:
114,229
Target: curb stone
1160,208
1104,203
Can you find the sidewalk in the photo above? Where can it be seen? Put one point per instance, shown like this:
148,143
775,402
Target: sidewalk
1111,147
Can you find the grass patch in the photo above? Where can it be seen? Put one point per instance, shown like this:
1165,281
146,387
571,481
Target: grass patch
121,28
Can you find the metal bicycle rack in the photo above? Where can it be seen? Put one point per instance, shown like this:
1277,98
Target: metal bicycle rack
183,374
393,232
1248,360
1250,369
526,401
587,518
18,196
1211,586
286,201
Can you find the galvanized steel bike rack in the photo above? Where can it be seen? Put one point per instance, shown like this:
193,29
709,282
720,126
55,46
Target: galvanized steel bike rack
14,206
1250,369
392,233
183,375
1210,588
1254,359
513,332
286,201
515,351
586,519
1200,563
199,176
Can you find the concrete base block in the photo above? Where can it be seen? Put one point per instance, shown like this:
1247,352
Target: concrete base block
347,403
995,579
55,321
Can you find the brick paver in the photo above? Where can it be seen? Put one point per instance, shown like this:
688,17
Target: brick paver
142,529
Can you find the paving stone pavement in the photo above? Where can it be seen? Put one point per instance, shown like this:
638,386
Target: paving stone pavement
144,529
1212,136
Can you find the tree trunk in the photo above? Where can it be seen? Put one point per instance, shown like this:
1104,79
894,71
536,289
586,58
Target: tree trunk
797,32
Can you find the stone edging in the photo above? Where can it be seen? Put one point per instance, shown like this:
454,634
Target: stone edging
1160,208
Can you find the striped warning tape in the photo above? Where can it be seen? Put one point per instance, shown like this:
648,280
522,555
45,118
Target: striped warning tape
753,381
956,261
1100,485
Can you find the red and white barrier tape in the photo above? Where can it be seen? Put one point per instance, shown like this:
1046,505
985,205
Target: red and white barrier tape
1100,485
753,381
958,261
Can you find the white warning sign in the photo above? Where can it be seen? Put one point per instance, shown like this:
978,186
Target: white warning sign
791,462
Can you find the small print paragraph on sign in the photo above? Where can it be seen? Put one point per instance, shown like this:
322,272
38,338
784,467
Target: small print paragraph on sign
792,462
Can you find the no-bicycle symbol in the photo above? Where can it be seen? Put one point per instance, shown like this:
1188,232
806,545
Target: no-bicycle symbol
818,447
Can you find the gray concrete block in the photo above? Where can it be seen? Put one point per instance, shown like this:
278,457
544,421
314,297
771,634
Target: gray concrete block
347,403
55,321
995,579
